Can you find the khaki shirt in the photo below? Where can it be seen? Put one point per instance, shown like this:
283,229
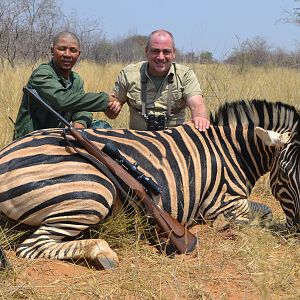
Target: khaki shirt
128,89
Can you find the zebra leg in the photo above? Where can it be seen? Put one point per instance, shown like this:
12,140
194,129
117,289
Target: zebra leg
259,212
245,211
48,242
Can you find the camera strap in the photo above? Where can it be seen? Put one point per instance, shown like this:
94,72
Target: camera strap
144,81
169,99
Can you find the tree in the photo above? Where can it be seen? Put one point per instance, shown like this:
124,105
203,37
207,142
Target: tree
255,52
130,48
27,28
102,52
293,16
203,57
206,57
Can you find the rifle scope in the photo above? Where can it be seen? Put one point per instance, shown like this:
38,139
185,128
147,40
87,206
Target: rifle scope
111,150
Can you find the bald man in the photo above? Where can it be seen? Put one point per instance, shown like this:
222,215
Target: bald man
63,90
159,90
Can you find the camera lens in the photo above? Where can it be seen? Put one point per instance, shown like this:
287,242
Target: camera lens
151,123
161,122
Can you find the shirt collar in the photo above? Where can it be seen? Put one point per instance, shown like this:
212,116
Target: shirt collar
67,82
145,69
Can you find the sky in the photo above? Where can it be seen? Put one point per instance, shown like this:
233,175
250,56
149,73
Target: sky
215,26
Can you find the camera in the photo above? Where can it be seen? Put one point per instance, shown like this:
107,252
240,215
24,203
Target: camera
151,122
161,122
156,123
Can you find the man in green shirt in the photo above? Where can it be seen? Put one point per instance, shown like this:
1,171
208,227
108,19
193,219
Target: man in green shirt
63,89
159,90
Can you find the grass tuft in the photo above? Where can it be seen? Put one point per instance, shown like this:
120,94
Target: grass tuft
242,262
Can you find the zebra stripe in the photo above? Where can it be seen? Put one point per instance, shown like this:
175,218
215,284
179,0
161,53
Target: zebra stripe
46,183
285,179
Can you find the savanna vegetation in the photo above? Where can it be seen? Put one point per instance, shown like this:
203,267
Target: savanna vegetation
243,262
239,263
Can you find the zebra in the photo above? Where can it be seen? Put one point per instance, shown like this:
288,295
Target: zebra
285,173
204,175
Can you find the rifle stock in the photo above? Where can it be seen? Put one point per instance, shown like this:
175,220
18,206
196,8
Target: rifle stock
183,240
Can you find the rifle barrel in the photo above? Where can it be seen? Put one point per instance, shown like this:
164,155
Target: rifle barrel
38,98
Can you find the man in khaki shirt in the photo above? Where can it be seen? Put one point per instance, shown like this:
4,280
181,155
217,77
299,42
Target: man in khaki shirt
159,90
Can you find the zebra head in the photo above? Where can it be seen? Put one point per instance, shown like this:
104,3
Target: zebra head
285,171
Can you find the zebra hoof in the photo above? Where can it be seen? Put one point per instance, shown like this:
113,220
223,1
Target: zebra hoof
221,223
103,256
107,263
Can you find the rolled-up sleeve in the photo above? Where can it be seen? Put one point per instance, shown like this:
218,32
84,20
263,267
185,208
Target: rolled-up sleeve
120,88
191,85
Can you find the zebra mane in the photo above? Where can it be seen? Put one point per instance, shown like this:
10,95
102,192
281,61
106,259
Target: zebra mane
269,115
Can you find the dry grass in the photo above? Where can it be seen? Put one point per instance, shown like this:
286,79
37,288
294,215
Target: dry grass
240,263
246,262
219,83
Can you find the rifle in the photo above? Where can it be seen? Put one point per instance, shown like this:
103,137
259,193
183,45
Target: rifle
182,239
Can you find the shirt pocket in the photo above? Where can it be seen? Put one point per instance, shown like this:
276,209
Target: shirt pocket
134,99
177,99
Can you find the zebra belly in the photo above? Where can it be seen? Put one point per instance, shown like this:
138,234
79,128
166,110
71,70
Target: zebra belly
58,187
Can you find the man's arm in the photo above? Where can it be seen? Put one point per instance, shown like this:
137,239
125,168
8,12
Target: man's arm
113,108
118,96
63,99
120,88
198,110
82,119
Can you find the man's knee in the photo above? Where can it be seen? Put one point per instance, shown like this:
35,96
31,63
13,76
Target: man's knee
100,124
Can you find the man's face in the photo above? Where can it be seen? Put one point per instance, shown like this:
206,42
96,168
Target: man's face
160,54
65,53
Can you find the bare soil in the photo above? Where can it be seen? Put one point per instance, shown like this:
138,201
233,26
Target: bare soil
227,278
225,265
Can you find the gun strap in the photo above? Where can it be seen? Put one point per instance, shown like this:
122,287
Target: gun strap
170,97
144,80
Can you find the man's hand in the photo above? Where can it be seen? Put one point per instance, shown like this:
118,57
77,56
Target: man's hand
78,125
201,123
199,114
113,108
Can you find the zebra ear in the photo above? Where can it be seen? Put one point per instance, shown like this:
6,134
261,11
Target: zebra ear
272,138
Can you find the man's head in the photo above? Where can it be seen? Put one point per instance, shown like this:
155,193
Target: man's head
65,50
160,52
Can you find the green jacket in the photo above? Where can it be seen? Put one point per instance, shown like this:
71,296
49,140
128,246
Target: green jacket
66,97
